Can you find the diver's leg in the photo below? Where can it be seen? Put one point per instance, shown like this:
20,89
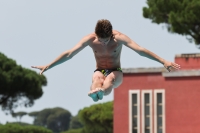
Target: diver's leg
97,82
113,80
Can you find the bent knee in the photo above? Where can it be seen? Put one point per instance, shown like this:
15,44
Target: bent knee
117,82
107,91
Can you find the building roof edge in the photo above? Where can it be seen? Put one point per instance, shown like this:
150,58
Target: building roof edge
144,70
163,71
182,73
188,55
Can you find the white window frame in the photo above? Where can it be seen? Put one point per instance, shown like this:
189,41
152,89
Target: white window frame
130,110
143,110
163,109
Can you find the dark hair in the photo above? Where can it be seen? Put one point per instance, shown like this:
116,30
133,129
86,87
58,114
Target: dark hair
103,28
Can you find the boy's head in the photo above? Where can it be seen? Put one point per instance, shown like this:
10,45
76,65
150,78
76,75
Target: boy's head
103,28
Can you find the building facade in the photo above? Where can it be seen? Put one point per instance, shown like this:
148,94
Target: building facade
152,100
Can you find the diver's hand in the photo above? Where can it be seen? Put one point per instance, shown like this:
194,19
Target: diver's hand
171,66
41,68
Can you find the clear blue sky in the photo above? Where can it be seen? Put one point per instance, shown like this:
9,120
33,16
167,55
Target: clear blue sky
36,32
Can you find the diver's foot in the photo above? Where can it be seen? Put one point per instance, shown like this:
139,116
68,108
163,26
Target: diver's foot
93,95
100,93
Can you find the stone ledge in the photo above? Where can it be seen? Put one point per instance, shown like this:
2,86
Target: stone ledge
188,55
144,70
163,71
182,73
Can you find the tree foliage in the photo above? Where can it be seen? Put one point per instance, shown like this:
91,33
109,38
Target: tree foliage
20,123
80,130
18,85
16,128
97,118
181,16
75,123
56,119
18,114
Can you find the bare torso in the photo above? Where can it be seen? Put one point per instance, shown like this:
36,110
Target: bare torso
107,56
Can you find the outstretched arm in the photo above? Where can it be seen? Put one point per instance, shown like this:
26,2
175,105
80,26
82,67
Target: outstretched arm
65,55
146,53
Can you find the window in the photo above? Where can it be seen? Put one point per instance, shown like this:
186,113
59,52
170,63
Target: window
159,111
134,112
146,111
152,106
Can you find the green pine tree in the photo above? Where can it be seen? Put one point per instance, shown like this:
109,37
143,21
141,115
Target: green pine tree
180,16
18,85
